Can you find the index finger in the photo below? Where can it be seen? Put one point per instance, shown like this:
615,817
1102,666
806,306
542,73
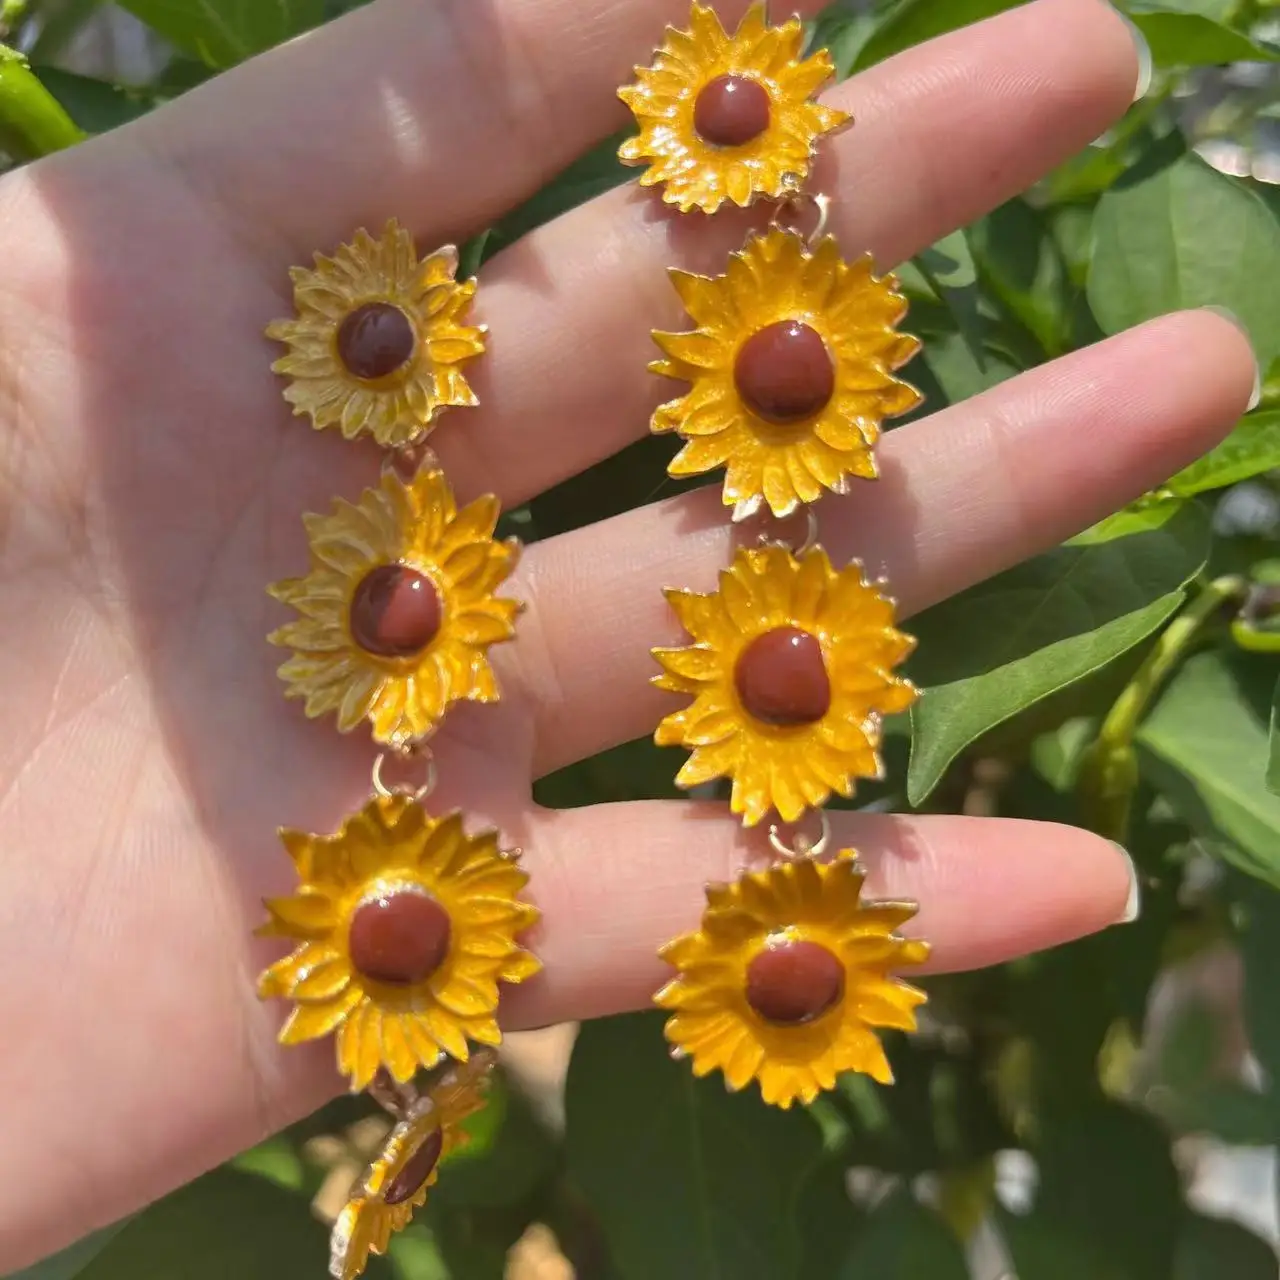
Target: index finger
443,114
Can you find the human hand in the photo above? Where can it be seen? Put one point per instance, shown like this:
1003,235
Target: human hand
153,483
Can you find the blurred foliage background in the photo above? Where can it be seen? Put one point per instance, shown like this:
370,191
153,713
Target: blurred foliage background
1110,1109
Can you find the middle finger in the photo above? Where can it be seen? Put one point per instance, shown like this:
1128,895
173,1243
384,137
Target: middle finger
944,133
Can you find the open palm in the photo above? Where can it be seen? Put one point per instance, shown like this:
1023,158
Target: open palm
153,483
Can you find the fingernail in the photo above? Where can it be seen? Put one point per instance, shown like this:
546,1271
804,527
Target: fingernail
1146,65
1231,318
1133,904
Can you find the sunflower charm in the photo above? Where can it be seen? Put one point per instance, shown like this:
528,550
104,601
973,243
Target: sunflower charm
729,117
405,927
379,339
788,977
791,370
399,609
396,1183
791,671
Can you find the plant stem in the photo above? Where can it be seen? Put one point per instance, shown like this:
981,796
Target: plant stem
1122,720
1108,774
32,121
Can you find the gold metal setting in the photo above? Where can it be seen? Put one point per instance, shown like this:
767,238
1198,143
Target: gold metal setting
787,768
775,279
400,406
819,907
695,173
416,524
394,847
397,1182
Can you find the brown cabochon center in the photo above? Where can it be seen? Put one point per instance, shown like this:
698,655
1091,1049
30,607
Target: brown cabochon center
784,373
731,111
395,612
781,678
375,340
399,938
792,982
416,1171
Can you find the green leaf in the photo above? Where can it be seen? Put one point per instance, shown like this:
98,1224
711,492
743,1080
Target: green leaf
224,32
912,22
1259,942
1212,1248
94,105
71,1261
1250,450
1273,744
1002,646
829,1222
687,1179
1024,268
506,1161
1185,235
1151,512
941,1114
948,372
1192,40
842,33
950,272
224,1224
1108,1203
1205,745
904,1240
1218,10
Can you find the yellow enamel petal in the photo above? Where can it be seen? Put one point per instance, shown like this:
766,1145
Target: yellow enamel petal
311,1021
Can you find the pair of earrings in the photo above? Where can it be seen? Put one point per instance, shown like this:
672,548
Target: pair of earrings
404,923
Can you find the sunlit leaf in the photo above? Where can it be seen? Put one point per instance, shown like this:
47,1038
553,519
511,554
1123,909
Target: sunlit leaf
1205,744
1000,647
1250,450
1193,40
913,22
1185,235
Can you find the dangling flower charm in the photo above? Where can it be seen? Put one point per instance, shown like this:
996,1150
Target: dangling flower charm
405,925
788,977
398,611
380,338
397,1182
791,672
791,370
729,117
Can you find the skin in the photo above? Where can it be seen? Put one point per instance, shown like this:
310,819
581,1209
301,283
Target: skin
152,480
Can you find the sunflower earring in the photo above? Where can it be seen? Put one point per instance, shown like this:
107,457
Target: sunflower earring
791,371
404,924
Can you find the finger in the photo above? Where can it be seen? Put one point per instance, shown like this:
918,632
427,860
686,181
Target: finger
442,114
962,495
943,133
602,927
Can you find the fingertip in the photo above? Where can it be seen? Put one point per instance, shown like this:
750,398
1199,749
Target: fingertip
1240,353
991,890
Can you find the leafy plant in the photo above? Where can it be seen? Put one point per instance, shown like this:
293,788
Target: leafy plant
1125,681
